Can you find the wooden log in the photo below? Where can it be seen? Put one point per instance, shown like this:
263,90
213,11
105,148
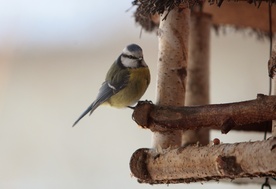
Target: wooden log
204,163
217,116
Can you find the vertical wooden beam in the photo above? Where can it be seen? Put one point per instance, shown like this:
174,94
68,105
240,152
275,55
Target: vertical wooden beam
198,92
273,129
172,68
271,71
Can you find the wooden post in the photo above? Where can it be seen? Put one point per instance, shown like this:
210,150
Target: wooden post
198,72
271,71
273,129
172,68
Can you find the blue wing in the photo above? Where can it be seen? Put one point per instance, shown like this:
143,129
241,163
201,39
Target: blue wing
106,91
109,88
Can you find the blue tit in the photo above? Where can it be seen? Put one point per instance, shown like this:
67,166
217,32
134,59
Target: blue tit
125,82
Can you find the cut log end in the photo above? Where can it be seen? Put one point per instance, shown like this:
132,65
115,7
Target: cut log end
138,164
141,113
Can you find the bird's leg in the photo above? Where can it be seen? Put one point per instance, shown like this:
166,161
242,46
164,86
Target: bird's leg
131,107
140,102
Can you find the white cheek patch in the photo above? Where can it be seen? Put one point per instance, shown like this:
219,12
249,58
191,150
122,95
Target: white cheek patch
129,63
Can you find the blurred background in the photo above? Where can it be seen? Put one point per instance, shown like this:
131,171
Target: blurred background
54,55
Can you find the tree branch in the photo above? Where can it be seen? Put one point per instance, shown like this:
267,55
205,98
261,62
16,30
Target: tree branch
195,163
217,116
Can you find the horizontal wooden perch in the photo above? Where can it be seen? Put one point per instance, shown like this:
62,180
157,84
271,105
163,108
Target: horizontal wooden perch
195,163
258,112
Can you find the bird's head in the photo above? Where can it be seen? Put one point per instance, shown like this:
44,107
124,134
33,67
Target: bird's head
132,57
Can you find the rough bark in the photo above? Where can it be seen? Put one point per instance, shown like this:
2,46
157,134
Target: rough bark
204,163
220,116
198,65
273,129
197,92
271,72
172,63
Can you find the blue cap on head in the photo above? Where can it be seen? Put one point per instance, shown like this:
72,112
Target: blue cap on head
133,48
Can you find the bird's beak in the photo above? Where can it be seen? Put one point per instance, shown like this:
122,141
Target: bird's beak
142,62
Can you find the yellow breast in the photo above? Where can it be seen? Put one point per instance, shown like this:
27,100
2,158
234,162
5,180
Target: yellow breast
137,85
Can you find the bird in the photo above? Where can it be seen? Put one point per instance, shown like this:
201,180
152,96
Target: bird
125,83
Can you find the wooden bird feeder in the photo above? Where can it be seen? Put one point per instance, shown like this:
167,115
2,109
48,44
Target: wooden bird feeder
181,117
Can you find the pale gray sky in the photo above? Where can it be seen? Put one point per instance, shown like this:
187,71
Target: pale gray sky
28,22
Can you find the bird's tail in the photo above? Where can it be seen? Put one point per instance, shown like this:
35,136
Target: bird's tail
105,93
90,109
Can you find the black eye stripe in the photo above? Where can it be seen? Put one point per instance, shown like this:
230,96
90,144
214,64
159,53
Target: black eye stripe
129,56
